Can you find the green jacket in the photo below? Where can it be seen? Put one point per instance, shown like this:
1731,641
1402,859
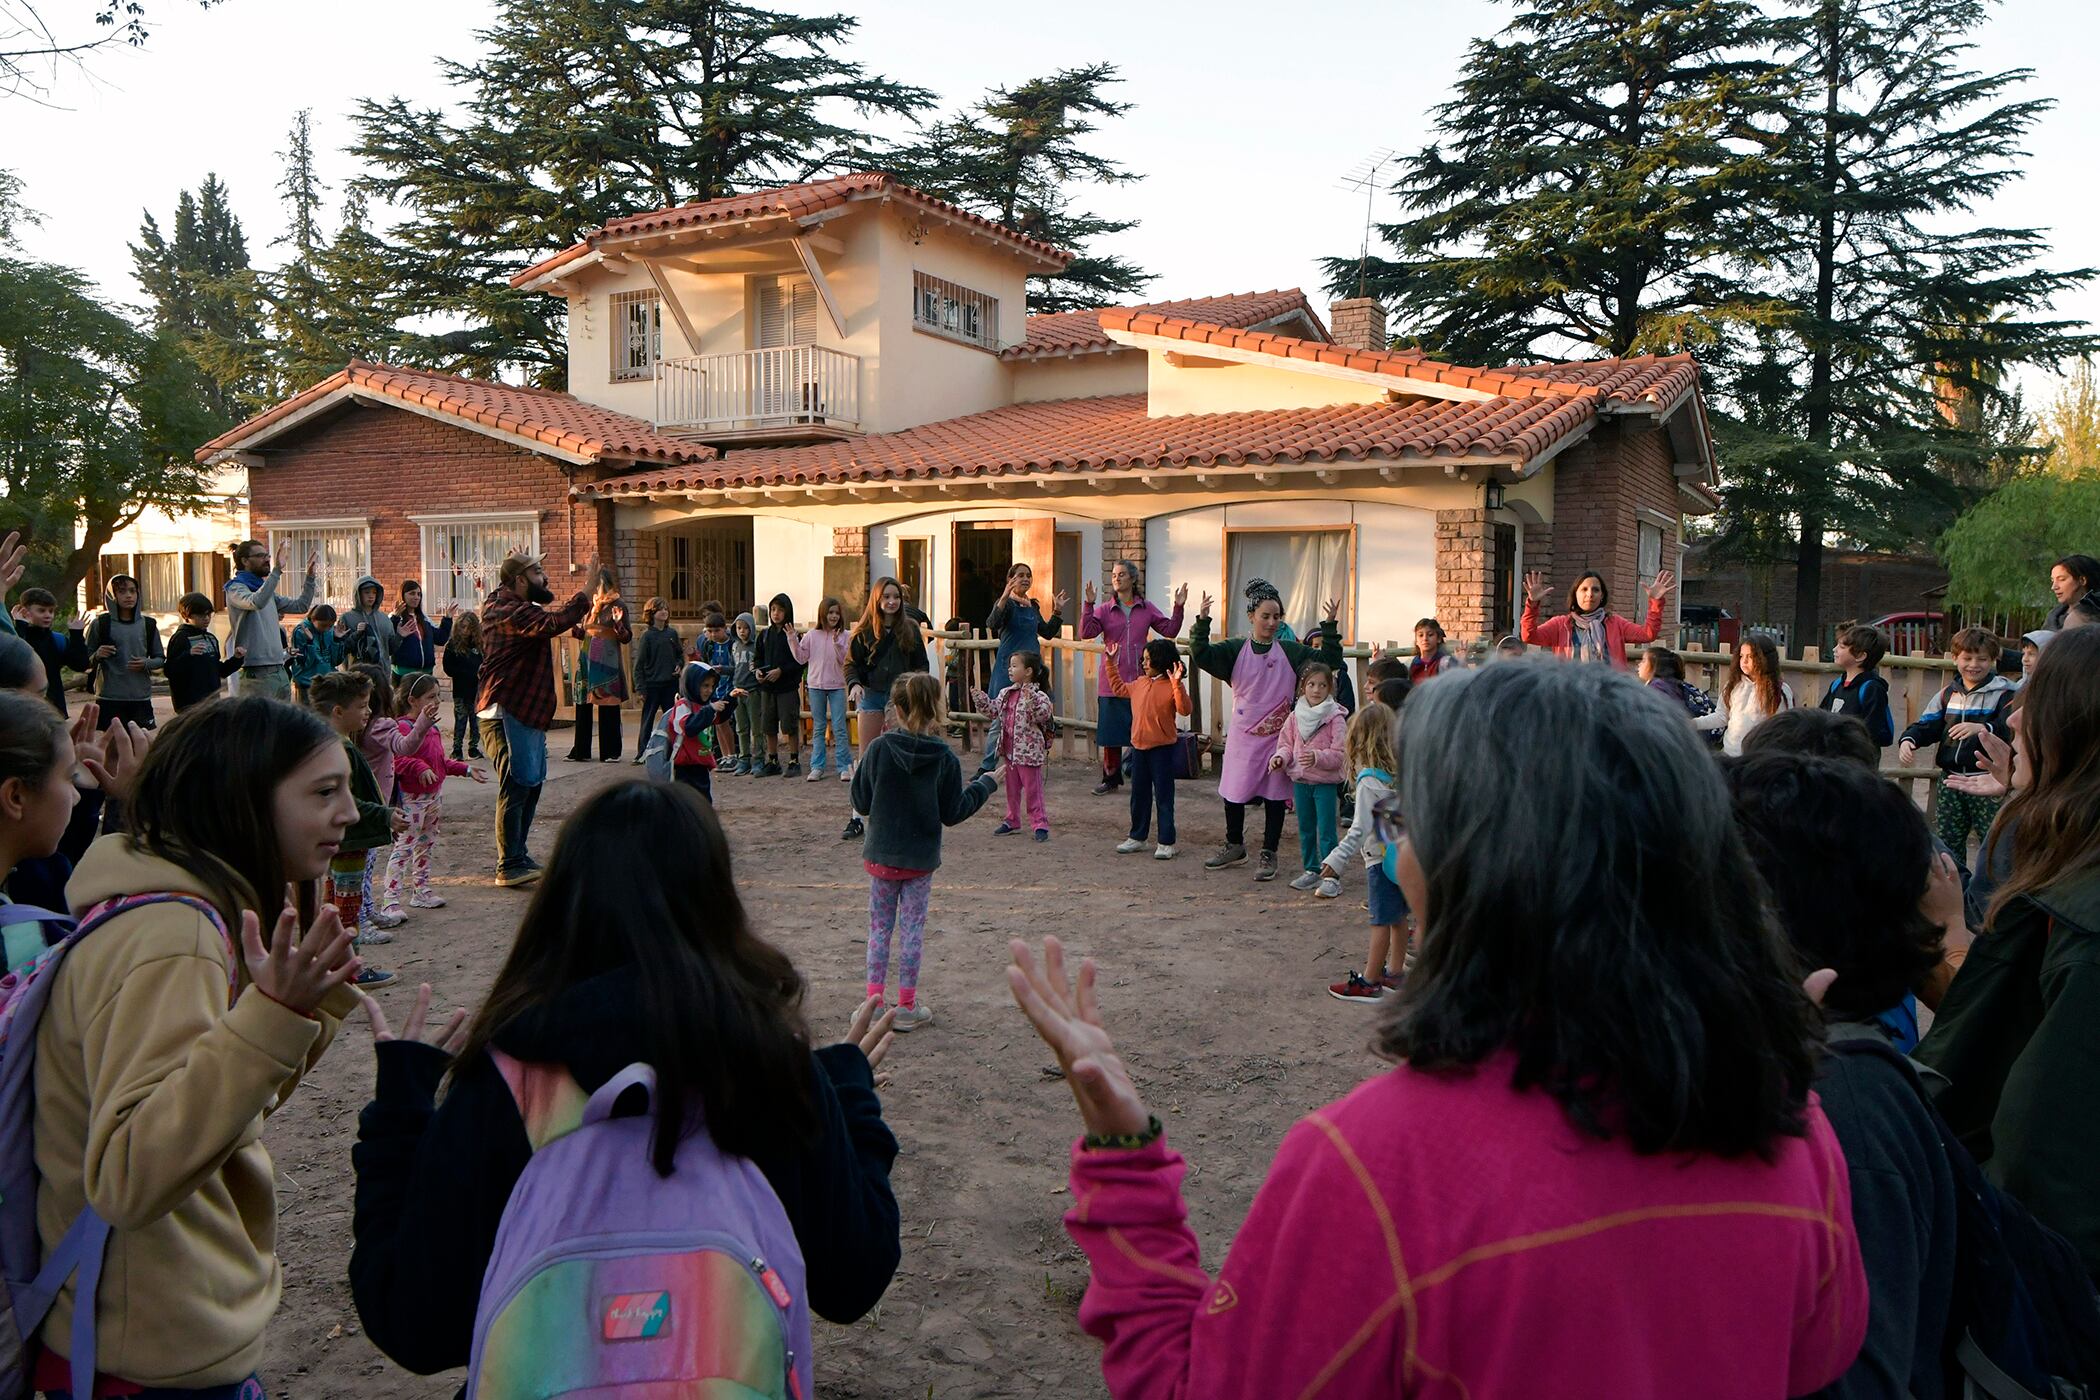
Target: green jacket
374,826
2018,1037
1218,658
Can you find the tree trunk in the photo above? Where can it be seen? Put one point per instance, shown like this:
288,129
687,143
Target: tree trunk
94,534
1808,550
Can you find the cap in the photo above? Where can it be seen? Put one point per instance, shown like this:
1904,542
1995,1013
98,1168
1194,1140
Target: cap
516,564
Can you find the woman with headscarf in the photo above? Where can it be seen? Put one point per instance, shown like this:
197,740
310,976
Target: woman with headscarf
1589,630
1123,620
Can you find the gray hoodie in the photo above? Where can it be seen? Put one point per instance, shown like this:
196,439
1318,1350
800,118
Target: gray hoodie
911,786
139,637
371,630
254,617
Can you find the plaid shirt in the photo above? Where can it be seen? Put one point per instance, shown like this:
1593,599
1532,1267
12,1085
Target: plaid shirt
517,654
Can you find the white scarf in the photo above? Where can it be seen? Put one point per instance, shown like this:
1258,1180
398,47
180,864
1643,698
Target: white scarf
1311,717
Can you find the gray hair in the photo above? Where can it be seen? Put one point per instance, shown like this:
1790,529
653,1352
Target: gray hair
1137,577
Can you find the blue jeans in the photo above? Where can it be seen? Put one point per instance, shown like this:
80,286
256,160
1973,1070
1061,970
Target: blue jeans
829,706
518,752
1152,783
1318,805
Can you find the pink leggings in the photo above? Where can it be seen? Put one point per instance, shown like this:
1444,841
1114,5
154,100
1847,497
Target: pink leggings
1025,785
897,907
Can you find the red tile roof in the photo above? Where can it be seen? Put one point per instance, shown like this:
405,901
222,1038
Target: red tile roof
788,202
541,415
1108,435
1072,332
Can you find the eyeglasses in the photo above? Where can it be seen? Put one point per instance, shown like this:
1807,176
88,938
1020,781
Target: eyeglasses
1387,826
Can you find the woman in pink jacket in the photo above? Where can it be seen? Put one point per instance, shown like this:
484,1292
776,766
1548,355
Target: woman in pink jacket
1309,752
1595,1170
1589,630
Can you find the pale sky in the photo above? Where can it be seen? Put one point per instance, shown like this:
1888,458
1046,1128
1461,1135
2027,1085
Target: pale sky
1247,114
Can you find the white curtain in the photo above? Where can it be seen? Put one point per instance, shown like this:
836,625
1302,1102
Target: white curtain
1307,566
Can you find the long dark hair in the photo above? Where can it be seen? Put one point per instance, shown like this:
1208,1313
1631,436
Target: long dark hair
2054,819
1766,680
1615,957
721,1008
1603,591
206,797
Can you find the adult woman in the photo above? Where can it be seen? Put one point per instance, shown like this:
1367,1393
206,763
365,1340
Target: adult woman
2019,1030
1262,670
1604,1075
1017,621
1754,693
601,673
1123,621
887,642
2071,578
1589,630
162,1050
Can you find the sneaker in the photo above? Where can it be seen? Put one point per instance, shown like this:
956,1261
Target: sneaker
1005,829
770,770
1357,990
734,767
373,936
424,899
910,1018
388,918
794,767
855,829
1164,852
1227,854
1265,866
1107,786
1042,833
1392,981
368,977
846,773
1306,881
611,760
636,760
517,879
816,775
1330,888
1129,846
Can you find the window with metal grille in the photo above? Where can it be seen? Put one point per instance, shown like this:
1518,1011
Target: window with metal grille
788,311
1649,539
944,308
462,554
637,334
343,548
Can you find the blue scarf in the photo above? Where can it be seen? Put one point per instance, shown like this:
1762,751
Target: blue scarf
249,581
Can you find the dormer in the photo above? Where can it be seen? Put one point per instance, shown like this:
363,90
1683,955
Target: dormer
810,312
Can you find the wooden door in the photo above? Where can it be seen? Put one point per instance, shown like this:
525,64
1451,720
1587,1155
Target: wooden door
1064,576
1035,544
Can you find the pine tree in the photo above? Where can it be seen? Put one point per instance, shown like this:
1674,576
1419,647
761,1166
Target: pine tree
1585,185
208,299
584,111
1014,157
2070,425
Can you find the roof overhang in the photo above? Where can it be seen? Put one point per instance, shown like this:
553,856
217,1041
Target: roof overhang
1187,351
347,394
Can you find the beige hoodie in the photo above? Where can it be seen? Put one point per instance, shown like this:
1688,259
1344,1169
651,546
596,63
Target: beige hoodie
150,1099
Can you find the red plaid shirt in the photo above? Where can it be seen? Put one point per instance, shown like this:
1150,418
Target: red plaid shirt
517,654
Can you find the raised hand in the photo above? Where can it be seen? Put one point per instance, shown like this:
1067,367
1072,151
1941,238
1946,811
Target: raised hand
1534,586
113,757
1203,608
1069,1021
1181,594
313,562
14,561
298,972
1090,593
870,1030
1331,609
1660,588
448,1037
1058,601
1996,758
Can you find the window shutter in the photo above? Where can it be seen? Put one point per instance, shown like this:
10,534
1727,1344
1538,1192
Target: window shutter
788,312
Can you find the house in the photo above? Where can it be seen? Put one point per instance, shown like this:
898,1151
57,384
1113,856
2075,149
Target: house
803,389
172,553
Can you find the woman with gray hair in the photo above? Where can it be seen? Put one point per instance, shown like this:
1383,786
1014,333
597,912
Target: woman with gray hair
1599,1107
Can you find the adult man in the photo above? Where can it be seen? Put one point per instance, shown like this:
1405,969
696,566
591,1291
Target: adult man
516,703
253,610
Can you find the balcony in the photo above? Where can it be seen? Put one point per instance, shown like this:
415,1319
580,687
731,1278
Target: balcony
786,393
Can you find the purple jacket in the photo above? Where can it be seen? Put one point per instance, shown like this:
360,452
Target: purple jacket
1107,620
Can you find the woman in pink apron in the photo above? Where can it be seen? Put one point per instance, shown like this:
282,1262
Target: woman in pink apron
1263,673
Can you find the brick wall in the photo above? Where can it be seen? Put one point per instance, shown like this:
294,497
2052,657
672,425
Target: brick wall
635,556
1122,539
1465,572
1358,323
384,465
1599,487
849,540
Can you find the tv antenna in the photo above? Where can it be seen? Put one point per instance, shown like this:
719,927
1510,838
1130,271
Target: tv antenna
1364,176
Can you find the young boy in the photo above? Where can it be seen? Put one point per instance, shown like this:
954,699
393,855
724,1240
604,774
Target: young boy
317,647
712,648
123,647
36,622
2030,652
1956,719
659,659
344,699
195,672
1860,691
1430,659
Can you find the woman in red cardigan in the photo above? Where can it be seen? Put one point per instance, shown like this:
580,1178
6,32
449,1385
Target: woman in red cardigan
1589,630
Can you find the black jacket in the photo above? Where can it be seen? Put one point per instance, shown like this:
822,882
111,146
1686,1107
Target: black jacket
911,786
776,652
463,665
875,666
432,1179
59,657
195,672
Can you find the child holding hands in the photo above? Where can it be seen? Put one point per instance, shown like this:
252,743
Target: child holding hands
420,777
1155,697
1310,752
1021,718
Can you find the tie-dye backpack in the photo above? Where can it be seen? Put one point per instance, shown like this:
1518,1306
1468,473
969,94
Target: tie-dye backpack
608,1279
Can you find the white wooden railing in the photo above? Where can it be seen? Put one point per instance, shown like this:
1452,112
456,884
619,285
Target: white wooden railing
782,386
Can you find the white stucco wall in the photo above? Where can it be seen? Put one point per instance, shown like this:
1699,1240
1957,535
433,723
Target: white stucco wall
1078,377
787,556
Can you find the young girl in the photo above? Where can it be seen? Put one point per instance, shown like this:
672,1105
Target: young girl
1371,758
886,644
1662,671
601,675
909,782
1021,718
823,649
1310,752
37,798
463,669
172,1031
1155,699
1755,692
743,656
383,743
682,983
421,778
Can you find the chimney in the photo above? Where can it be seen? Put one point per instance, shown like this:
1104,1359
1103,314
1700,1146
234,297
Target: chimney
1358,323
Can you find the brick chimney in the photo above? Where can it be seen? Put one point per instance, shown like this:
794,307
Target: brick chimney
1358,323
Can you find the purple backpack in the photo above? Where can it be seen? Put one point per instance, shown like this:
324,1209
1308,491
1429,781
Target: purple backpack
608,1279
32,1281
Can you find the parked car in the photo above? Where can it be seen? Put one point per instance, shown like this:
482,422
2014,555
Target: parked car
1914,631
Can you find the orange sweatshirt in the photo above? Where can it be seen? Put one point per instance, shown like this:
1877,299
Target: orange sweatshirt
1154,701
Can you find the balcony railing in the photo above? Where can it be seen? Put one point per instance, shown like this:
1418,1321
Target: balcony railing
782,387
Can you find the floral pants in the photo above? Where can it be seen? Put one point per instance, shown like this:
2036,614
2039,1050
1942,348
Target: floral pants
410,865
897,908
349,883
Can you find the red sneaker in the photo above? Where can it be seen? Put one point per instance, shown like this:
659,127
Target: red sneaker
1357,990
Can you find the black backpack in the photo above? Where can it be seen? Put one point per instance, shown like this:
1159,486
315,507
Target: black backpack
2024,1322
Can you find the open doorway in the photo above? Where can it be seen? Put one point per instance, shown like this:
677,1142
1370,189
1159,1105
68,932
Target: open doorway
912,568
983,554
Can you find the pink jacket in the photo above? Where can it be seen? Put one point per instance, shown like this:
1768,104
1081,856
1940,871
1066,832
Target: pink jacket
825,655
424,772
1558,632
1328,749
384,741
1446,1236
1022,715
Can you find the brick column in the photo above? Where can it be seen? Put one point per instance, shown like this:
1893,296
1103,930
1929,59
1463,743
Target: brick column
850,539
1465,572
1358,323
1122,539
634,562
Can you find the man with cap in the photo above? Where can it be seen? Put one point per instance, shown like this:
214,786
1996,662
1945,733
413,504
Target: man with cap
516,703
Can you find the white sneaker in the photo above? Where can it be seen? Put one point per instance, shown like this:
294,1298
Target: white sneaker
389,918
910,1018
846,773
374,936
1330,888
1306,880
816,775
1163,853
424,899
1129,846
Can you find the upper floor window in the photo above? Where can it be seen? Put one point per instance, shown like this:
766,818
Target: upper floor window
788,310
637,334
941,307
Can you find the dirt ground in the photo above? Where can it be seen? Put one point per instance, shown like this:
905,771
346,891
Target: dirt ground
1214,986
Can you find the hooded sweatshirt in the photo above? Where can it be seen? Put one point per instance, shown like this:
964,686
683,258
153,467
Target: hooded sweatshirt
372,635
911,786
255,613
417,639
136,636
743,655
195,672
658,653
150,1101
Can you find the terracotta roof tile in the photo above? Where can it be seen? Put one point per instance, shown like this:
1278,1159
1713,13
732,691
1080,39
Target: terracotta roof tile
1069,332
542,415
1114,434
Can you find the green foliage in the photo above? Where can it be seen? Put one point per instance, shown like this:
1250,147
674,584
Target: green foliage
1014,157
2070,426
209,301
1998,554
333,301
583,111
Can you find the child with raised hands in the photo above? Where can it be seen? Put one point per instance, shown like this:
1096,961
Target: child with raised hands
1310,752
420,777
1021,717
1372,760
343,700
384,744
1156,696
